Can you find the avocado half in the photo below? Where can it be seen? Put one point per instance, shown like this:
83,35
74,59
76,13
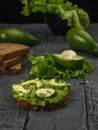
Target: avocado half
72,63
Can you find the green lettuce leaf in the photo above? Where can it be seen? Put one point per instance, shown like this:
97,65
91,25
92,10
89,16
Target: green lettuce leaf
26,91
75,16
47,68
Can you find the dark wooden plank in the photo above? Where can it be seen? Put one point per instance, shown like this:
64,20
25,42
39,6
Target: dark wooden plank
56,44
39,48
11,117
92,104
74,112
93,76
91,87
33,28
94,61
71,117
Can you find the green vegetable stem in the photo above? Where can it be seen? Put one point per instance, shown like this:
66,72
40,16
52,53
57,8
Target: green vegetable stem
17,35
81,40
75,16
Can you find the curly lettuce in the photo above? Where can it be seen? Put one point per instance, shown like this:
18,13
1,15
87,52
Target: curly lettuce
75,16
48,68
26,91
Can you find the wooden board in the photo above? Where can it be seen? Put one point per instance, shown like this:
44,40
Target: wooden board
81,112
71,117
74,112
92,104
11,118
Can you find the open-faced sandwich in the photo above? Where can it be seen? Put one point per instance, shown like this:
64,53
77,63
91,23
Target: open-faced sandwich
41,94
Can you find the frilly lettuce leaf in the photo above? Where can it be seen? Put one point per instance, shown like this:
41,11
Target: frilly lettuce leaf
75,16
26,91
47,68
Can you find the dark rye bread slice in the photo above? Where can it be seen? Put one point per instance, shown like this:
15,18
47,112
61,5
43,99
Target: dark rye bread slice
11,50
11,62
49,106
16,69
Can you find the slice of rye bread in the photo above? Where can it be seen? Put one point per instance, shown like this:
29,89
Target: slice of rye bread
11,50
11,62
16,69
49,106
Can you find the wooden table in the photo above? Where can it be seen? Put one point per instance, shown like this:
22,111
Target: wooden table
81,113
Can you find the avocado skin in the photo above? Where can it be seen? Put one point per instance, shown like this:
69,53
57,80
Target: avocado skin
65,63
17,35
81,40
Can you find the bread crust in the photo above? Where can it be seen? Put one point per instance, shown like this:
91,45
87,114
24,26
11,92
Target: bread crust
11,50
49,106
16,69
11,57
12,62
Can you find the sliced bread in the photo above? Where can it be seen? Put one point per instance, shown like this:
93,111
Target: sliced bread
11,50
11,62
16,69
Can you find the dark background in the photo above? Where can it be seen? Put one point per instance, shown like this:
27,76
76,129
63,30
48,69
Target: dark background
10,11
91,6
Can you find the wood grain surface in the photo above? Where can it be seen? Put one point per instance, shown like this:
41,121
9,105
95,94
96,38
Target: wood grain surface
81,112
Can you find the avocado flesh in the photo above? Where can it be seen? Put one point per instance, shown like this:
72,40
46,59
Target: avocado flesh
35,81
45,92
68,63
40,96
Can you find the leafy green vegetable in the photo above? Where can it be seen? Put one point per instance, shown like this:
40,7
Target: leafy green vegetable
75,16
32,90
48,68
